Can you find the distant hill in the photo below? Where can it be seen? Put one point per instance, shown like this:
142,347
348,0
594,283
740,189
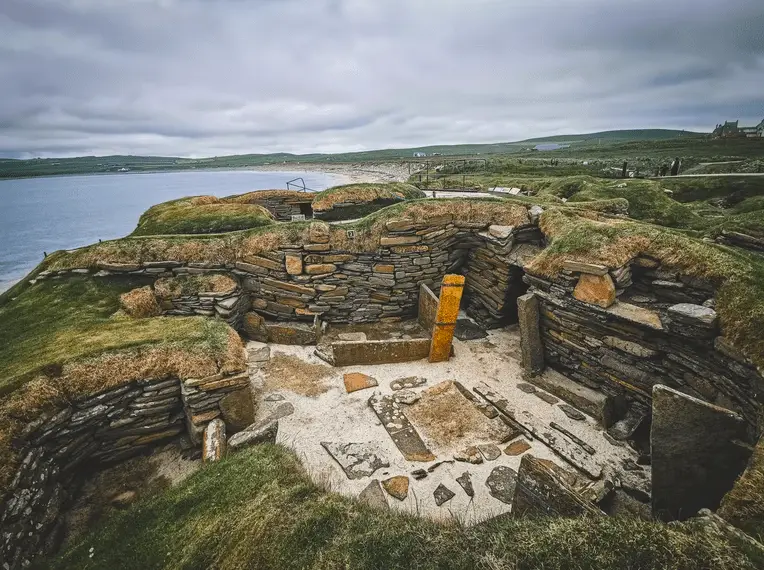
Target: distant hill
10,168
617,136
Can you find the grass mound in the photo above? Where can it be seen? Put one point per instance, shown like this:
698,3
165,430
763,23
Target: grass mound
201,215
140,303
180,285
258,509
62,339
258,196
367,193
743,506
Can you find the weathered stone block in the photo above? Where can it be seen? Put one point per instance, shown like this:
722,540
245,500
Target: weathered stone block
696,455
581,267
319,232
595,289
532,349
255,435
293,262
598,405
238,409
542,490
320,269
214,441
399,240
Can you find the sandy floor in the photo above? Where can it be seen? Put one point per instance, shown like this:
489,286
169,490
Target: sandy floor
336,416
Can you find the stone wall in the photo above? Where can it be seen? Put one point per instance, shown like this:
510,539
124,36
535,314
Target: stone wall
103,429
353,210
230,306
661,330
283,205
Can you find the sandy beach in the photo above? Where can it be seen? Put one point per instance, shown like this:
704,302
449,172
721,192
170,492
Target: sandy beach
352,172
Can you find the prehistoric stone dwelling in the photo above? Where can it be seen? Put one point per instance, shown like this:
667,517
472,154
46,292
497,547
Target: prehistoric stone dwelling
641,334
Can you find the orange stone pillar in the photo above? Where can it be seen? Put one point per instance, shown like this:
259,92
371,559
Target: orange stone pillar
448,310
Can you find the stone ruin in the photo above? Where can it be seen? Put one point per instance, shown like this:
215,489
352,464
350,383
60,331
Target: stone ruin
651,410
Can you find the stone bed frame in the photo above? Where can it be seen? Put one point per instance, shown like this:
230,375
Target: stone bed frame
620,331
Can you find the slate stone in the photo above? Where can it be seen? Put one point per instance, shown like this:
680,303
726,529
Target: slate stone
434,466
273,398
696,315
527,388
406,397
572,412
548,398
262,433
442,494
595,289
517,447
501,483
532,349
490,451
356,459
355,381
373,495
397,487
466,483
419,474
408,382
695,452
467,330
399,428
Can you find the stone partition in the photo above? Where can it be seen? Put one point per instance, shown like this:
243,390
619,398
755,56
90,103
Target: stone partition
283,204
103,429
655,333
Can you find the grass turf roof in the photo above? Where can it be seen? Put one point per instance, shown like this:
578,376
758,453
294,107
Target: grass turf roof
364,193
258,509
61,339
201,215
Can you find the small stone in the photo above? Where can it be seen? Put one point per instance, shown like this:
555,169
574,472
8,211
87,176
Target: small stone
408,382
467,330
319,232
517,448
490,451
697,315
434,466
580,267
419,474
572,412
320,268
466,483
373,495
548,398
123,500
469,455
406,397
442,494
355,381
501,232
256,435
501,483
214,442
397,487
595,289
527,388
273,398
293,264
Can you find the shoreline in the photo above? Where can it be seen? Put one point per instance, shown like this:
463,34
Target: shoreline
351,173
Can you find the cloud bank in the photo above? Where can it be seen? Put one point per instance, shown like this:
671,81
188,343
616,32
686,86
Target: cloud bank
204,78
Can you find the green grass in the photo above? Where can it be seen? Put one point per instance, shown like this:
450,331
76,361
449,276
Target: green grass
196,216
258,509
55,322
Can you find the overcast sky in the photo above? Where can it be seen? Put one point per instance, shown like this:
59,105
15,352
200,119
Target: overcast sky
212,77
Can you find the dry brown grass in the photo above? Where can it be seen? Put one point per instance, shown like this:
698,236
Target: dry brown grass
173,287
140,303
743,506
287,372
449,420
204,200
260,195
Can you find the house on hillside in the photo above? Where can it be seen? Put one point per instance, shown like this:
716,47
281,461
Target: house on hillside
731,129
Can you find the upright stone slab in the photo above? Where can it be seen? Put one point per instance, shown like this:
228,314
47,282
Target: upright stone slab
530,337
542,490
448,310
695,454
428,308
214,442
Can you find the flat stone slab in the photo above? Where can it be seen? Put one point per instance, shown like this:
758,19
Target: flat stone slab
548,398
409,382
356,459
401,431
572,412
501,483
397,487
490,451
696,315
565,448
465,482
636,315
406,397
254,435
373,495
352,336
695,452
419,474
443,494
467,330
517,447
596,404
355,381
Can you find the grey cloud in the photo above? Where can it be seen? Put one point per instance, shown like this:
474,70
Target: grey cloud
197,78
